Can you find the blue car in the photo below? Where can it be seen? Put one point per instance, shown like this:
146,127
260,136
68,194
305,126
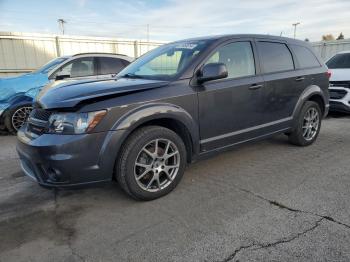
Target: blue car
18,93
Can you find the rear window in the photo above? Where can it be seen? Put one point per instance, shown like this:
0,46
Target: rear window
275,57
339,61
110,65
305,57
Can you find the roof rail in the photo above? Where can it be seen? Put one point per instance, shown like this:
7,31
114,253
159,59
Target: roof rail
98,53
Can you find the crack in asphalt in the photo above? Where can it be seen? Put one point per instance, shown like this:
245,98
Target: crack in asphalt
69,231
233,255
285,239
282,206
268,245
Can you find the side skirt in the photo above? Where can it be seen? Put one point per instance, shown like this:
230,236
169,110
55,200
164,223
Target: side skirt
208,154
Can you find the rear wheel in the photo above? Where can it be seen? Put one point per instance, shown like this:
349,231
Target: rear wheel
16,117
307,126
152,163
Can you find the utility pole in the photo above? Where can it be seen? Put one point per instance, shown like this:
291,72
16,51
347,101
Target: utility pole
61,23
295,28
148,33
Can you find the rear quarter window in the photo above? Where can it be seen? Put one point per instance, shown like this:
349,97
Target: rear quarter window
305,57
275,57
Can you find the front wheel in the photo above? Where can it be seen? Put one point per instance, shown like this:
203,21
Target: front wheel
16,117
307,126
152,163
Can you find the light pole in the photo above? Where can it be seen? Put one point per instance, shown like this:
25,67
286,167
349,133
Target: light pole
148,33
295,28
61,23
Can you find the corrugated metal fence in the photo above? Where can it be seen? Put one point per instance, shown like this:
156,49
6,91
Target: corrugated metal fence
326,49
20,53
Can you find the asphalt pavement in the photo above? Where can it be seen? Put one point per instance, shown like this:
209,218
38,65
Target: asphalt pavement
268,201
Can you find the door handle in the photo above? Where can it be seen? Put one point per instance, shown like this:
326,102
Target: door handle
255,86
300,78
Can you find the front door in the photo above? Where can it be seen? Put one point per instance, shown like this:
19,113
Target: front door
230,109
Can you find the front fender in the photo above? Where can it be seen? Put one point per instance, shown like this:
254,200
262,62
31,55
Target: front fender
153,111
306,95
19,100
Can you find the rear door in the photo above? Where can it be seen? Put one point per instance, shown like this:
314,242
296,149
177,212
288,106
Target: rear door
109,66
282,83
230,108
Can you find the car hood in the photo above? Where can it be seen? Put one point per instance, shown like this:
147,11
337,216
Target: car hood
68,94
340,74
12,86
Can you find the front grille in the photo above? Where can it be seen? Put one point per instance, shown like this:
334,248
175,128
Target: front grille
38,121
337,94
40,114
345,84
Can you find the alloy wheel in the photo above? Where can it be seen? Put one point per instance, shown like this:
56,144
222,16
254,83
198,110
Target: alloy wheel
157,165
20,116
311,124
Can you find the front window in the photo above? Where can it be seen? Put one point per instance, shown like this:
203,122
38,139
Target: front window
51,65
339,61
238,58
165,62
79,67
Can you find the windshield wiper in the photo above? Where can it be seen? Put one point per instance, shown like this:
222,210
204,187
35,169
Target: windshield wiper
130,75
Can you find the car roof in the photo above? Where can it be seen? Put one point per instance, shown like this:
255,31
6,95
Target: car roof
232,36
344,52
100,54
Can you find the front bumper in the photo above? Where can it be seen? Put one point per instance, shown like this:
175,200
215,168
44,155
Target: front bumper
69,160
341,99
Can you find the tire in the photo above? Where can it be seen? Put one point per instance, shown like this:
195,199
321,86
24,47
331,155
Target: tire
16,117
140,163
305,132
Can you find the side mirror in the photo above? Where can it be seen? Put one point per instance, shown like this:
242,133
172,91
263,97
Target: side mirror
61,77
212,71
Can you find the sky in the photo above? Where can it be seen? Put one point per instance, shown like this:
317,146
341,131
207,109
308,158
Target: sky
177,19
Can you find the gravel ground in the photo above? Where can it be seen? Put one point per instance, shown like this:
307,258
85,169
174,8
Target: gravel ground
268,201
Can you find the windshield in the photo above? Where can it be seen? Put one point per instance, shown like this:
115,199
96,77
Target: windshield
51,65
165,62
339,61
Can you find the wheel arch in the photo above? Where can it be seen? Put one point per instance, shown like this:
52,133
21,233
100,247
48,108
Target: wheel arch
312,93
169,116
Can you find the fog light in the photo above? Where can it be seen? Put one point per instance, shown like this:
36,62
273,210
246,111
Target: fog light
54,175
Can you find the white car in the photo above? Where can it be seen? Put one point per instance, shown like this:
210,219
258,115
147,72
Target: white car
339,83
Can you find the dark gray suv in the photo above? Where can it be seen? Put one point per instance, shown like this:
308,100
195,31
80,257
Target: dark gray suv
178,103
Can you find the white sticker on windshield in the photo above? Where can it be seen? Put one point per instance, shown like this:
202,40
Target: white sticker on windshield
186,46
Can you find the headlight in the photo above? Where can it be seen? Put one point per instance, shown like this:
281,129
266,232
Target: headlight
74,123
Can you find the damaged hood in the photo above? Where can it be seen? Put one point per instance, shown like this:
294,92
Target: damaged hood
68,94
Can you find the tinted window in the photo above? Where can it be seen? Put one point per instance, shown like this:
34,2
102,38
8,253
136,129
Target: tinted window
78,68
305,57
110,65
275,57
339,61
238,58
